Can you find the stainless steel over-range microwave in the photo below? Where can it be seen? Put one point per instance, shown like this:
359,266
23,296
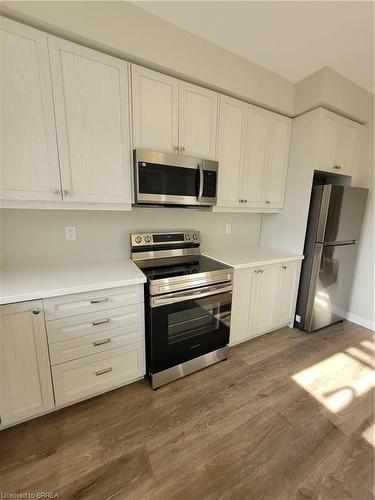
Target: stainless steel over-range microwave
169,179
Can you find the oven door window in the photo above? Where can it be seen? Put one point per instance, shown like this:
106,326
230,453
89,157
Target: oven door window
167,180
199,320
184,330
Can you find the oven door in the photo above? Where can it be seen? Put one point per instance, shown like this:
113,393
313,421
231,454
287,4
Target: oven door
185,325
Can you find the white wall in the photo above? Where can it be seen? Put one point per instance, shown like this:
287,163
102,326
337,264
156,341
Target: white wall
363,299
31,236
127,31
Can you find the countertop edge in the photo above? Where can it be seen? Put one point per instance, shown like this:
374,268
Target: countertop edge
255,263
11,299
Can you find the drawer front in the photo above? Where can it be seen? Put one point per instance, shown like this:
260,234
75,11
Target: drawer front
67,350
99,300
82,378
97,322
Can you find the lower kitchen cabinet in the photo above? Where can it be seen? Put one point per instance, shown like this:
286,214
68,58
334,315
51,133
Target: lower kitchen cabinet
85,377
264,299
52,355
25,376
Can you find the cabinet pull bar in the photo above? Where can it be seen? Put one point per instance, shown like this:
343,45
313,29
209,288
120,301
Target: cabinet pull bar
98,301
102,372
101,322
101,342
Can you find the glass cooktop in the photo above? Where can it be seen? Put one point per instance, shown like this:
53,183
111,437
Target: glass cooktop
171,267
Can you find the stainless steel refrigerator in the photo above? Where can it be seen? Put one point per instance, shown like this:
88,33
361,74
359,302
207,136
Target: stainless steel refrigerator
331,244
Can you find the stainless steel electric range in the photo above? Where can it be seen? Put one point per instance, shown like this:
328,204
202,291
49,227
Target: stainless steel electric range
188,301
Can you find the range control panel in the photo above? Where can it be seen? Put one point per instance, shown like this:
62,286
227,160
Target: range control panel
173,238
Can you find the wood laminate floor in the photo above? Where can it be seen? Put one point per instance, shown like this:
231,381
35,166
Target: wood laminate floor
287,416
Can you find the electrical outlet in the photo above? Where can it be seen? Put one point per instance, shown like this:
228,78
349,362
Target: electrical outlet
70,232
228,228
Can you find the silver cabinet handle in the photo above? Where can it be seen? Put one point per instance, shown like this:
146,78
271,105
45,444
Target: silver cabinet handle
337,167
66,193
176,148
201,180
241,201
36,311
268,202
182,148
261,271
284,267
245,201
102,372
101,342
101,322
98,301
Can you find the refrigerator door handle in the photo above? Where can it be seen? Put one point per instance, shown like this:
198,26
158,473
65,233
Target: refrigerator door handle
341,243
318,252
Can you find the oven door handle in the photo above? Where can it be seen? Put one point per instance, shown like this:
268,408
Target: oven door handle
201,181
172,298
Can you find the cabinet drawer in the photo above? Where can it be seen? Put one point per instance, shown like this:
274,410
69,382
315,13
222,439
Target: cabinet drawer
101,321
67,350
88,376
99,300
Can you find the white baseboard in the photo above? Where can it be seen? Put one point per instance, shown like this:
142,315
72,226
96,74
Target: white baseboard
360,321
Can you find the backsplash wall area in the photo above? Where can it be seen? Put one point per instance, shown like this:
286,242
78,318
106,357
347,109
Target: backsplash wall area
38,236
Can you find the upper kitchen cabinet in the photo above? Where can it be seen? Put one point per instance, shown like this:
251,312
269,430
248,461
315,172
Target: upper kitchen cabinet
280,132
232,136
29,161
173,116
339,143
92,118
260,160
197,121
155,110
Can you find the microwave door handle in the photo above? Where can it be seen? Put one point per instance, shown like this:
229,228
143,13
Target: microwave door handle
201,181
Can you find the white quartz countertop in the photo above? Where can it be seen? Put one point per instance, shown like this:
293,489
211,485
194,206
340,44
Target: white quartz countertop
39,282
250,256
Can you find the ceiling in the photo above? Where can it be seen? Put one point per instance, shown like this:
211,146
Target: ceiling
291,38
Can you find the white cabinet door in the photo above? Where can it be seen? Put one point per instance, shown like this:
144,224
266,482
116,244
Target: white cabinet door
197,121
339,144
277,160
29,161
328,142
242,285
348,147
92,117
287,292
254,172
25,377
231,149
155,110
263,298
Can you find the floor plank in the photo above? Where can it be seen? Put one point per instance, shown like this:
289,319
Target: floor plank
287,416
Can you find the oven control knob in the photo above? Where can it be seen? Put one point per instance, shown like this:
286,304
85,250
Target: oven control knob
138,239
187,237
195,236
147,239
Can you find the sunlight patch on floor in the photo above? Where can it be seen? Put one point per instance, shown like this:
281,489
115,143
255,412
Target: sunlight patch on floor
369,434
336,381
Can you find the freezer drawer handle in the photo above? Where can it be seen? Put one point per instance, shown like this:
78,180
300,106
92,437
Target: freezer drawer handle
102,372
101,342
